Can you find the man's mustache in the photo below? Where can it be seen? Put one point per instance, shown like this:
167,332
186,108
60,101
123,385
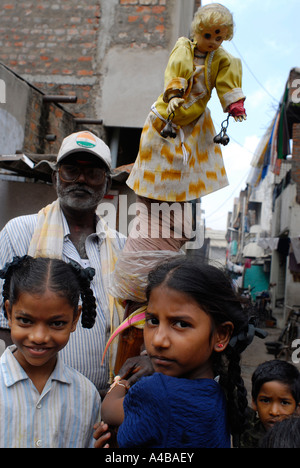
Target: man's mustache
75,187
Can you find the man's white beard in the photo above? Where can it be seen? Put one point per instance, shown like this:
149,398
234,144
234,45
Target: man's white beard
68,199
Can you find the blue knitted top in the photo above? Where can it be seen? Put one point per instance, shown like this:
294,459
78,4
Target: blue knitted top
165,412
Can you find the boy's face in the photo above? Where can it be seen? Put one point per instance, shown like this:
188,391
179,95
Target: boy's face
274,403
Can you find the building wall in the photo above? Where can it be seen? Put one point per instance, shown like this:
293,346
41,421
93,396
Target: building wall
116,49
26,119
52,45
111,54
286,219
134,54
19,198
296,159
263,195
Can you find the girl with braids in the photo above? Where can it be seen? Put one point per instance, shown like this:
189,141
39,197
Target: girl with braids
44,402
194,333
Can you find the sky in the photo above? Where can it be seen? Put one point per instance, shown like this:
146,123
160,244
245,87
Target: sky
267,41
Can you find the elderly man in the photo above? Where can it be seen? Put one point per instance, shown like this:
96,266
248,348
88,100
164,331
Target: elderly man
70,229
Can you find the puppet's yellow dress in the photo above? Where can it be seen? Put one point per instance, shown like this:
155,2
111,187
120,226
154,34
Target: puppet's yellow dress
191,165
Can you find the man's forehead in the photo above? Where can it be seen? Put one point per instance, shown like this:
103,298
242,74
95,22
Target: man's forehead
84,158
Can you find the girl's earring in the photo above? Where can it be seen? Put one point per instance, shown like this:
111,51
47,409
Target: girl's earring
220,346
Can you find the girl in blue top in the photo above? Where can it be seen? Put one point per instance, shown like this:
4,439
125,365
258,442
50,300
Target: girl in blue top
194,333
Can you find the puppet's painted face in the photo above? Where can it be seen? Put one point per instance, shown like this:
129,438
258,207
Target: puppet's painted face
211,38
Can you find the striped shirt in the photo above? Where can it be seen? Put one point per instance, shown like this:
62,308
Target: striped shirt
85,347
62,416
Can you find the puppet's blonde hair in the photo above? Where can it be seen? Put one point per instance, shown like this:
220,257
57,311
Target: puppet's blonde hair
212,14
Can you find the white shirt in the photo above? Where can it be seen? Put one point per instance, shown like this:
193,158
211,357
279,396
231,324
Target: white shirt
62,416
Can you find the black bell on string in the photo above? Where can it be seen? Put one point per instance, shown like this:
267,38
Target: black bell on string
222,138
168,130
218,138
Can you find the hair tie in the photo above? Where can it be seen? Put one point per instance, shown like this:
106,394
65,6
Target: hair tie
16,261
83,273
245,337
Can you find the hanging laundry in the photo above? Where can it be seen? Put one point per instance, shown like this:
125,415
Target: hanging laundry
268,242
260,158
284,246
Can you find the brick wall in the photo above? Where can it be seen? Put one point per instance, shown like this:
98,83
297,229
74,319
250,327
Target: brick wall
45,119
53,45
141,23
60,45
26,120
296,158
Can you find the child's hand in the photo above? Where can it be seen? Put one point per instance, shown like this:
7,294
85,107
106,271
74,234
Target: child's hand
174,104
136,367
101,435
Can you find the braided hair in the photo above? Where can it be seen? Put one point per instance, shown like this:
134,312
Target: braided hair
35,275
212,290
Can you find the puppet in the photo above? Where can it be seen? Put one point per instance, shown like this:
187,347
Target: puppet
179,157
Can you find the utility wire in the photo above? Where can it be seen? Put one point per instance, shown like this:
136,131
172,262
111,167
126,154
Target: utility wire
272,97
250,71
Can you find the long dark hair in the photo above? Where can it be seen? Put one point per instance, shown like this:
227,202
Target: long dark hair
211,288
35,275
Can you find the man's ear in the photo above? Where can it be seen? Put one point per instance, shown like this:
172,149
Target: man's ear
54,177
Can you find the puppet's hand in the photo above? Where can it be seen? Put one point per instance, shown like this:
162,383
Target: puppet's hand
174,104
240,118
237,110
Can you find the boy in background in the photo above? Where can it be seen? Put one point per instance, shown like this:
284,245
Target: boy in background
275,396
